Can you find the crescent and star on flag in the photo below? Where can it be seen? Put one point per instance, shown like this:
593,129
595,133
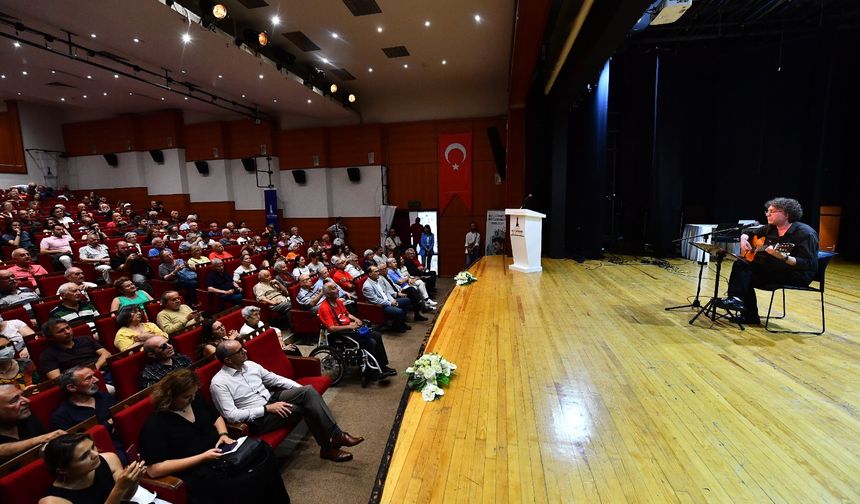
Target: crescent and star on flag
452,147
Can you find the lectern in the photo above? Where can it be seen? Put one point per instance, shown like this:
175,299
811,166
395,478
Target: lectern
526,233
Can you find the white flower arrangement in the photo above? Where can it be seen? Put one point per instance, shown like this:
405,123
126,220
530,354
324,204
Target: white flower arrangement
429,374
465,278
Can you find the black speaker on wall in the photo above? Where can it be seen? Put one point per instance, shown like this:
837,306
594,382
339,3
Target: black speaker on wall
299,177
202,167
250,164
157,156
498,150
354,174
111,159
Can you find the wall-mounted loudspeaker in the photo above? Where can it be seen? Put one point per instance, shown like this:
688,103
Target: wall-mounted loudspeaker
157,156
250,164
202,167
498,150
112,160
354,174
299,177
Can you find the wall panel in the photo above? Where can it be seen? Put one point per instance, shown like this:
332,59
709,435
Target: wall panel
350,145
244,138
414,182
297,148
11,143
114,135
203,141
411,142
160,130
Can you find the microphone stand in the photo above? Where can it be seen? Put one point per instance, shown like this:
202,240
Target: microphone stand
696,303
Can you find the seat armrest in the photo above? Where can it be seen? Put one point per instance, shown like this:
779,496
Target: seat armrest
166,482
305,366
237,430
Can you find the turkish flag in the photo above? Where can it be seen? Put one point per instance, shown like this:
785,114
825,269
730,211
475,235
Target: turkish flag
455,169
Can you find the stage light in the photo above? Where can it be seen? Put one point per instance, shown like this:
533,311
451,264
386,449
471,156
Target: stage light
219,10
333,88
262,38
378,29
92,35
351,98
478,18
427,24
136,40
16,44
62,99
186,38
444,62
335,35
23,72
370,69
276,20
309,100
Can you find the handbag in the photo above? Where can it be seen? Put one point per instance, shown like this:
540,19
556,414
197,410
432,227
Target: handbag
251,453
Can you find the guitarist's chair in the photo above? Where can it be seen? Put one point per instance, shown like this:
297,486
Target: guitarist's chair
823,260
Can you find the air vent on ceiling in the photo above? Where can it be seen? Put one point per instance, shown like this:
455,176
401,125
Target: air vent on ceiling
342,74
362,7
301,41
59,84
395,52
253,4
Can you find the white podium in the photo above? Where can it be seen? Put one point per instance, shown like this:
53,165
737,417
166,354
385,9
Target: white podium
526,230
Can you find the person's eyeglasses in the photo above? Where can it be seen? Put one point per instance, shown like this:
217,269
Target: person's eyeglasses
771,212
240,350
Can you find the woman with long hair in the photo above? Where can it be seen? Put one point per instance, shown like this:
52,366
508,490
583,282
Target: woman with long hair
183,438
133,331
128,294
213,332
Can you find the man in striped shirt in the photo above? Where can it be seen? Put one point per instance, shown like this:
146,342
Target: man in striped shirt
74,306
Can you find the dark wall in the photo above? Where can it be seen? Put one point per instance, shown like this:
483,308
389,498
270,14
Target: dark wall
731,128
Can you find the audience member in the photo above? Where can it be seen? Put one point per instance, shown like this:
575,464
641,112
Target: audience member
283,275
378,292
24,270
162,359
399,275
178,272
415,231
338,231
310,295
175,316
408,291
379,256
393,243
295,240
66,350
339,322
75,307
197,259
15,368
182,439
301,268
57,246
213,333
128,261
128,294
15,331
83,475
241,392
246,267
254,323
218,252
20,430
11,295
220,282
16,236
98,255
133,331
272,294
340,276
158,246
75,275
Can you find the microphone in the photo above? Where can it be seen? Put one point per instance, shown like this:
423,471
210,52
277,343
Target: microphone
526,200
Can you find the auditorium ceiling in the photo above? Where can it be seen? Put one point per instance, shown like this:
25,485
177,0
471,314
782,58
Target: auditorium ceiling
411,61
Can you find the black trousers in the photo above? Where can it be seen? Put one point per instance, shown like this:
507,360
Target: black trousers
372,343
745,277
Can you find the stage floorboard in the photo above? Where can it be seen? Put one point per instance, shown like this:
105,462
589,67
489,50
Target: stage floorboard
575,385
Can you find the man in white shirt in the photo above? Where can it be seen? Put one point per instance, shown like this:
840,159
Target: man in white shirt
244,391
97,254
295,240
473,244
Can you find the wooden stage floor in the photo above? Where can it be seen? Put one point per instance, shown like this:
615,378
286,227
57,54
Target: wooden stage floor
574,385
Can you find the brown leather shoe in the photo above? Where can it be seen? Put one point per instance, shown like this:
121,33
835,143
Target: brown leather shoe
344,439
336,455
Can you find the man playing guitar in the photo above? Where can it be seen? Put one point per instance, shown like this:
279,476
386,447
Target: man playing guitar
773,264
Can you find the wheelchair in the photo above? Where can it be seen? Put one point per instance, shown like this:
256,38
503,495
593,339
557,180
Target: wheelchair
339,351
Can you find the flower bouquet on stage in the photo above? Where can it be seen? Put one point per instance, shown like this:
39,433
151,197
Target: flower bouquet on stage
429,374
465,278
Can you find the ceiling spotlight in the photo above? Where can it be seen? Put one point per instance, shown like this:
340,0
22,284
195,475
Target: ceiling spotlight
427,24
130,93
116,76
478,18
183,71
23,72
219,10
162,98
53,71
186,38
135,40
406,65
92,35
262,38
444,62
309,100
260,76
274,100
334,35
89,76
220,76
3,76
85,97
325,60
276,20
19,93
186,97
62,99
378,29
16,44
351,98
370,69
333,88
104,94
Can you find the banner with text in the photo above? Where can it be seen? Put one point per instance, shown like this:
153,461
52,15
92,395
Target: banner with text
495,232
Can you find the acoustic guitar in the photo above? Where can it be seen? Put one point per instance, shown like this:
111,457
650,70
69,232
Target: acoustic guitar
758,244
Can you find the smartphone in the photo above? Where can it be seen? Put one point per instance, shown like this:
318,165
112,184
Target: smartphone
131,454
227,448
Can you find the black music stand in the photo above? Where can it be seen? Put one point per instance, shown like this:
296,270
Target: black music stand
710,308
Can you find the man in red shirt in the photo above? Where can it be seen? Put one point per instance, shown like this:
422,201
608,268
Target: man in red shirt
340,276
337,321
24,270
